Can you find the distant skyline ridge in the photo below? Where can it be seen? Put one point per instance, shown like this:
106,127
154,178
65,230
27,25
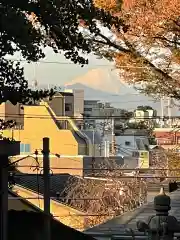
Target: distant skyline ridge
103,80
106,86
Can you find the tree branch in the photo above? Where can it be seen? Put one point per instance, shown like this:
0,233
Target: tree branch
112,44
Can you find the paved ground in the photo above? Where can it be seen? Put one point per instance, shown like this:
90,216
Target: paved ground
150,196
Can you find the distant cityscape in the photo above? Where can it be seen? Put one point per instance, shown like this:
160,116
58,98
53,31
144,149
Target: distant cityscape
113,130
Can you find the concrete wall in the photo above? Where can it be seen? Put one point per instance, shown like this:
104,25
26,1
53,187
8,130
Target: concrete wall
113,162
8,111
78,166
67,164
57,104
78,101
17,204
2,110
129,143
69,105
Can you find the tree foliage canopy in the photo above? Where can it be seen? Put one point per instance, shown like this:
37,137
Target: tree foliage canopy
74,28
28,26
107,195
149,53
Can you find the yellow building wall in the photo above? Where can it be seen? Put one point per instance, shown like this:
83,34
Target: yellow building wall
38,124
2,111
71,165
18,205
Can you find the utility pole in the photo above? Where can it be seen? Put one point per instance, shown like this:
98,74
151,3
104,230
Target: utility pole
162,112
107,149
169,112
4,196
46,176
93,152
113,138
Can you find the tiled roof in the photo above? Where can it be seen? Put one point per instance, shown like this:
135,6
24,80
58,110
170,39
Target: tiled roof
35,182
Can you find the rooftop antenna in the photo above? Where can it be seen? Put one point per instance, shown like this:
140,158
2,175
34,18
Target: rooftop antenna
166,109
35,82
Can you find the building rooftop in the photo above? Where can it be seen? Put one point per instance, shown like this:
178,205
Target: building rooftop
134,132
66,93
35,182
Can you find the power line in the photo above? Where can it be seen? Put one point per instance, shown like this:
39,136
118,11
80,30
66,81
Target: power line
57,62
55,198
71,63
99,169
66,118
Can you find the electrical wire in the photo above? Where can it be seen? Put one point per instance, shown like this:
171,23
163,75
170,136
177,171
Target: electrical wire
104,169
73,214
98,65
63,118
37,176
54,198
37,166
129,177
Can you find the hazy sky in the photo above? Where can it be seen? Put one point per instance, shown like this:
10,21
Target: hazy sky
56,73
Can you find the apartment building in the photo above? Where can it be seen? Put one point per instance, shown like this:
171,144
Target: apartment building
95,110
78,101
130,141
141,115
44,120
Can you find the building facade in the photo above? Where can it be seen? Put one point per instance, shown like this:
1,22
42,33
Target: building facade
142,115
78,101
41,121
132,141
168,138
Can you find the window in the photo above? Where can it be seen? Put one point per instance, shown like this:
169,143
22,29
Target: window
25,148
68,107
127,143
88,109
21,147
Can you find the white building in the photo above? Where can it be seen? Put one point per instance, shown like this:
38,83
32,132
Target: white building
141,115
130,142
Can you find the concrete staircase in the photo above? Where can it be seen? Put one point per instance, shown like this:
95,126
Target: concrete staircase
155,187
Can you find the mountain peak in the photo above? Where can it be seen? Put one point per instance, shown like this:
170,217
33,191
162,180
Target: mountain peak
99,79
